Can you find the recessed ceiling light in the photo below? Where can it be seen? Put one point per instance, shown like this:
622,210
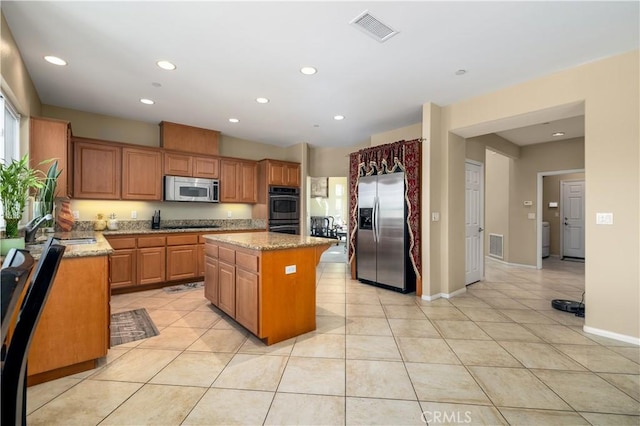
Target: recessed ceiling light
308,70
147,101
262,100
55,60
234,120
316,125
461,72
155,84
558,134
166,65
338,117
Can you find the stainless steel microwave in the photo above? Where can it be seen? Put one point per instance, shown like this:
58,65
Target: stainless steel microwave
180,188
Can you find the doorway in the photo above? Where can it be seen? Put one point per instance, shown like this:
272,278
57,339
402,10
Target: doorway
474,221
549,208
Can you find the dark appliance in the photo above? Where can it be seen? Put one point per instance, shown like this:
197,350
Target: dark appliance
284,210
382,249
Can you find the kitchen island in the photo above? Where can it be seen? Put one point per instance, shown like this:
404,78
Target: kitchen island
265,281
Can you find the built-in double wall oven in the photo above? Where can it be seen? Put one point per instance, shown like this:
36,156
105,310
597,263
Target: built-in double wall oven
284,209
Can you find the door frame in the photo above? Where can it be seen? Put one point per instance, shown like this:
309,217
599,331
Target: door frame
539,209
481,216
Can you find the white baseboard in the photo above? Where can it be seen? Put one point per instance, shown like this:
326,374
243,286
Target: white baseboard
511,264
612,335
444,295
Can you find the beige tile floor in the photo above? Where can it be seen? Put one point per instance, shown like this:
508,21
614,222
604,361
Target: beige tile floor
498,354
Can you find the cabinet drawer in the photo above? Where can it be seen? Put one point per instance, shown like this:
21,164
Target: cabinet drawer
182,240
211,250
247,261
150,241
122,243
227,255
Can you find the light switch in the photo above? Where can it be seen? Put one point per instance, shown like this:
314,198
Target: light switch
604,218
435,216
531,215
528,203
291,269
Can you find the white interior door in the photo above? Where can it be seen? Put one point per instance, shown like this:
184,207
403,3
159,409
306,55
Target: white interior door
474,220
573,219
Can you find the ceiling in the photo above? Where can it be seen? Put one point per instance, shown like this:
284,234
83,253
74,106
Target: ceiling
229,53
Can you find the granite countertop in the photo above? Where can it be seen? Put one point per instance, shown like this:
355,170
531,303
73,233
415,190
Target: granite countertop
179,230
99,248
265,241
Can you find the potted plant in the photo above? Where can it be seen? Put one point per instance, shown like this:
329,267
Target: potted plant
16,180
47,193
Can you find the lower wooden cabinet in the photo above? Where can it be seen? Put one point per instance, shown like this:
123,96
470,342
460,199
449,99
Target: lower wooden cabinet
247,299
227,288
73,330
151,265
122,268
211,286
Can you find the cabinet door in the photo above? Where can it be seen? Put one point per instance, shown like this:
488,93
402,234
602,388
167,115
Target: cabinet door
49,139
247,310
228,181
276,173
292,175
248,185
151,265
178,164
227,288
122,268
206,167
211,283
141,174
182,262
200,255
96,171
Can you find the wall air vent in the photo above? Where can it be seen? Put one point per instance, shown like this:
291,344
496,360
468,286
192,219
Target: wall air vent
496,245
373,27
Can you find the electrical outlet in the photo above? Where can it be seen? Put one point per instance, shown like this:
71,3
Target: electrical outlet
435,216
134,214
76,214
229,214
291,269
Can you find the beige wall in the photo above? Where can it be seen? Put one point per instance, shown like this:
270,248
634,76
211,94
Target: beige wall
331,161
496,206
610,90
407,133
551,192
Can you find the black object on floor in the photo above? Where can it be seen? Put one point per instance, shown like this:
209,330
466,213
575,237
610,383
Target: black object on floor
571,306
130,326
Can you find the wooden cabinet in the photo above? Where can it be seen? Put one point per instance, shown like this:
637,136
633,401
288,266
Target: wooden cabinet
211,273
141,174
176,164
73,331
182,257
179,137
247,299
282,173
151,260
238,181
200,255
122,262
51,139
227,288
96,170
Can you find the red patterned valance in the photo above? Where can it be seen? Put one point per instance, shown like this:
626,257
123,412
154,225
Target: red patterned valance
397,156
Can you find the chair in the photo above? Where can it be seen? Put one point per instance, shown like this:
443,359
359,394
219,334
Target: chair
16,268
14,369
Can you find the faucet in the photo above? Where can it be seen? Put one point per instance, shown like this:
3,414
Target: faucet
31,227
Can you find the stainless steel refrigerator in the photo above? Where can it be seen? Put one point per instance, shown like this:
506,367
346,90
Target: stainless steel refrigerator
382,245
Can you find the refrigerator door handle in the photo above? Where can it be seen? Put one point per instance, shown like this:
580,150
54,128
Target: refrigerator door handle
373,218
377,221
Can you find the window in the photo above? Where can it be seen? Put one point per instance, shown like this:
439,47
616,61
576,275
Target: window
9,137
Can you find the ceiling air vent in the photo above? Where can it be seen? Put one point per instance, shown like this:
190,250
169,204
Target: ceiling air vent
371,26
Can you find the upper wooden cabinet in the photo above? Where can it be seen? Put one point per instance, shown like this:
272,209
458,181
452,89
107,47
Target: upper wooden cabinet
283,173
50,139
141,174
196,140
238,181
176,164
96,169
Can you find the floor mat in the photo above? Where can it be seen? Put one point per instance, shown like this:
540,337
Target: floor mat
183,287
130,326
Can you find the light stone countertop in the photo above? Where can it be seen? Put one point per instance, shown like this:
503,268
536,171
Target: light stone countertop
265,241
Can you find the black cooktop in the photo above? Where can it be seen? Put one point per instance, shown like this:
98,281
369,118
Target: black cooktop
189,226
